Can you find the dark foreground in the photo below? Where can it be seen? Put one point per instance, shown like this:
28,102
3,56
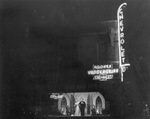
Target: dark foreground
85,117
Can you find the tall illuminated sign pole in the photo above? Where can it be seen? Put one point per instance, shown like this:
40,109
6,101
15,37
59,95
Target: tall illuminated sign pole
121,40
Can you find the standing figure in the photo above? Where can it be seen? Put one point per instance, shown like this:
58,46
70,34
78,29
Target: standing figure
63,110
93,111
68,110
82,106
77,109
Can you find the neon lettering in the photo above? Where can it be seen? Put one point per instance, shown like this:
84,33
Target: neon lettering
122,35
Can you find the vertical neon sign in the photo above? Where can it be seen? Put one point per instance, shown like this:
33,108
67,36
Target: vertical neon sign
121,40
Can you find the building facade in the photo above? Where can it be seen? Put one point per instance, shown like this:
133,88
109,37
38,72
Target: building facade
91,99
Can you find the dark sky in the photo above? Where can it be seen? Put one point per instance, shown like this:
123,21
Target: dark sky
40,49
38,38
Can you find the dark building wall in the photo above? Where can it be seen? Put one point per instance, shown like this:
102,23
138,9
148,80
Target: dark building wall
113,51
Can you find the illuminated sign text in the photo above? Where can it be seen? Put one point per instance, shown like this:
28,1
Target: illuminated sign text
103,72
121,40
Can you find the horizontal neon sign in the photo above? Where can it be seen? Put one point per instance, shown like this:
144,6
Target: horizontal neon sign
102,66
102,77
103,72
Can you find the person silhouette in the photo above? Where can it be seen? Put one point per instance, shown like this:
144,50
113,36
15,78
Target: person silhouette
93,111
82,106
77,109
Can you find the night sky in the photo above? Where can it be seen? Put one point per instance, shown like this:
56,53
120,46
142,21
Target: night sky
40,48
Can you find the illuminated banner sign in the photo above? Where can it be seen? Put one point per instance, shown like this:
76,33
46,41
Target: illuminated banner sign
56,96
121,40
103,72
